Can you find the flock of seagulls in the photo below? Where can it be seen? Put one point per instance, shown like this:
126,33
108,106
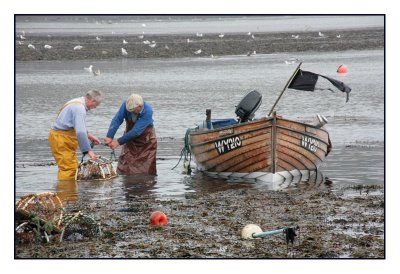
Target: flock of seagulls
153,44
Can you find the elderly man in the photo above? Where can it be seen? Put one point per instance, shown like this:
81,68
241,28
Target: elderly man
138,155
69,131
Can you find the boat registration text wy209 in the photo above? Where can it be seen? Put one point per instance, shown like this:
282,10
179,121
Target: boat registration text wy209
309,143
227,144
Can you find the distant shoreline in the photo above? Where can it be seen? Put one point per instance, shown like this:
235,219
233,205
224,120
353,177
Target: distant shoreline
174,46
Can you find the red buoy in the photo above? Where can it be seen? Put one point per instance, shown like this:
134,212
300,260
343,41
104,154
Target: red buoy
342,69
158,218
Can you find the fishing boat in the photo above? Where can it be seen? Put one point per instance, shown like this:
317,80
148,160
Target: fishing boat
268,149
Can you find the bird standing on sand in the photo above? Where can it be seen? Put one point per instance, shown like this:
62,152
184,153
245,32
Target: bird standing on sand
221,35
98,38
124,42
199,34
197,51
31,46
78,47
47,46
320,34
124,52
295,36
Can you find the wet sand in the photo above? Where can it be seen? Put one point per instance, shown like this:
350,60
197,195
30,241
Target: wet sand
347,223
178,45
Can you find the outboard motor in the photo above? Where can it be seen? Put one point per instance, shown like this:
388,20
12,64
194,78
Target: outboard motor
248,106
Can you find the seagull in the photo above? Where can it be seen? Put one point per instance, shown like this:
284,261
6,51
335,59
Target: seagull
320,34
146,42
91,71
249,33
22,37
47,47
199,34
20,42
221,35
338,36
252,36
153,45
124,42
188,40
78,47
31,46
124,52
251,53
295,36
197,51
98,38
291,61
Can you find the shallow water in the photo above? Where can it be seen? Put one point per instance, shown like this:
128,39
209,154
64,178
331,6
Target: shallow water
180,91
106,25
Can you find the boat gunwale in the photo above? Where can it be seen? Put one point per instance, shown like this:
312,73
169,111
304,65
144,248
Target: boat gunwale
263,127
198,132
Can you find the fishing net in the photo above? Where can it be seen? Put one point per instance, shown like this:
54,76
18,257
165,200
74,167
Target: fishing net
99,169
78,226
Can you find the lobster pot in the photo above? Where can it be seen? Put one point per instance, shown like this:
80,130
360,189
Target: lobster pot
99,169
78,226
46,207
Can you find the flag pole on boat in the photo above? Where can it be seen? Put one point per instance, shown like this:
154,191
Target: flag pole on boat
287,84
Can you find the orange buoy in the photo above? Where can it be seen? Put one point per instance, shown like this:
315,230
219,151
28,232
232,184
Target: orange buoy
342,69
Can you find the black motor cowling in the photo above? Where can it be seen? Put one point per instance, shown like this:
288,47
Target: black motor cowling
248,106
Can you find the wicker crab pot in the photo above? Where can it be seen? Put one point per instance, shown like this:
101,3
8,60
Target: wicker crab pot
99,169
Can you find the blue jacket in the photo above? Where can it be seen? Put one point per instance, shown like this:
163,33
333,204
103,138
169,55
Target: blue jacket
143,121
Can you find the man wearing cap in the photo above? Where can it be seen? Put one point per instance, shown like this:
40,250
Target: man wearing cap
69,131
138,155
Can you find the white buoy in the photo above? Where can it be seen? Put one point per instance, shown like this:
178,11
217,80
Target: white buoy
249,230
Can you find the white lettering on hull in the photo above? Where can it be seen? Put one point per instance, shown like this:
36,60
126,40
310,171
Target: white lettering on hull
227,144
309,143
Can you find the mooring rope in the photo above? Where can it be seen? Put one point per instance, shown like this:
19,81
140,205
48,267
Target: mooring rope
186,152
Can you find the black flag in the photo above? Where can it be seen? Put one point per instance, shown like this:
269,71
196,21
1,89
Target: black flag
306,80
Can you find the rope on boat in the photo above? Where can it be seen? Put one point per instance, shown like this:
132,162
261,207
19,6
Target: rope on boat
186,153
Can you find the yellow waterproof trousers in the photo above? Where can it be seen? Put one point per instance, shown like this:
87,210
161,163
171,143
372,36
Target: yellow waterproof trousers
63,144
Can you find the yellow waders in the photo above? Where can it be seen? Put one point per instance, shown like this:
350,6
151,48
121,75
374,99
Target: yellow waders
63,144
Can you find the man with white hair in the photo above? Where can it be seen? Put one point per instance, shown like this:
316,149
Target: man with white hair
138,155
69,131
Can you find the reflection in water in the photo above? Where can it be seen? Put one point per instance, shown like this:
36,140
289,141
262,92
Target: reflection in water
307,180
138,185
67,191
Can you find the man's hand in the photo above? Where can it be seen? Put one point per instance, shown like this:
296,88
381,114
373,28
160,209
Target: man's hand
92,155
114,144
107,141
93,139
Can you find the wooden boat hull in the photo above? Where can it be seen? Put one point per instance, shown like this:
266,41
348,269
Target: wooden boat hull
259,148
